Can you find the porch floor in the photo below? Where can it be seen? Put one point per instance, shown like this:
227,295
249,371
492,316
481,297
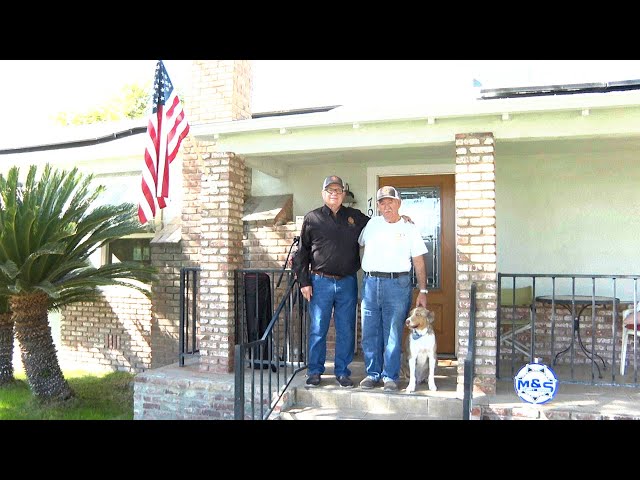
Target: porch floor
572,401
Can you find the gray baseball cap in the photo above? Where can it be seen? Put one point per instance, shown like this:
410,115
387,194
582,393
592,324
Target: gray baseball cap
332,179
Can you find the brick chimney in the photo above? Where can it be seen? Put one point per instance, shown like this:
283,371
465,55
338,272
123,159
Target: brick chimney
214,185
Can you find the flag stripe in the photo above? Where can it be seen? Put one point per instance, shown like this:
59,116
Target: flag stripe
166,129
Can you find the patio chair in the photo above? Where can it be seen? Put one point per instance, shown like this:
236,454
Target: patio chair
511,328
628,331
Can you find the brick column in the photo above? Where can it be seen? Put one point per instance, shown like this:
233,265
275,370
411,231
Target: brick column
213,203
220,90
476,253
222,203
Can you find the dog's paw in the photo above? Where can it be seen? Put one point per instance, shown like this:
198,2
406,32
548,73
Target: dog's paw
432,386
410,388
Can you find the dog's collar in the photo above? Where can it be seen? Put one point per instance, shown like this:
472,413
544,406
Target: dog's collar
415,335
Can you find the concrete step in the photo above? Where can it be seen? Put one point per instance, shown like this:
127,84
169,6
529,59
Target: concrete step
328,413
330,401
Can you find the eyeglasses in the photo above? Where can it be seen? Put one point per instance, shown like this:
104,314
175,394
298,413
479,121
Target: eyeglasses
337,191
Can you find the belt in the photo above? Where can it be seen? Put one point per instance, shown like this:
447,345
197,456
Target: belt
387,274
328,275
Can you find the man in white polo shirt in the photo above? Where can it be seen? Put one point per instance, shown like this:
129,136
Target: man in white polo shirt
390,246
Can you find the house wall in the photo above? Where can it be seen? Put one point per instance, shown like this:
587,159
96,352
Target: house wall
265,245
113,333
168,258
305,183
538,119
569,214
536,198
554,213
552,333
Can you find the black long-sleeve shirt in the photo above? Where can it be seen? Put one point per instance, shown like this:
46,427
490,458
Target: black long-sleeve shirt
329,243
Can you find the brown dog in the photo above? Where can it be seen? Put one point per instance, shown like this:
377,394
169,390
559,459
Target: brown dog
419,349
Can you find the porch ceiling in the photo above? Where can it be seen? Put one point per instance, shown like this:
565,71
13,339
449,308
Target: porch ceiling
277,164
553,125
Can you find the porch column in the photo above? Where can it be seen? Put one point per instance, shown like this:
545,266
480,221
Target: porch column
476,254
220,254
215,186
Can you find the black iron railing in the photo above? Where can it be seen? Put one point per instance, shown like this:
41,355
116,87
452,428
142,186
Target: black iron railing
270,345
571,322
188,330
470,360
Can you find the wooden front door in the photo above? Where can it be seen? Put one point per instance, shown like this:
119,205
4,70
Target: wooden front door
430,202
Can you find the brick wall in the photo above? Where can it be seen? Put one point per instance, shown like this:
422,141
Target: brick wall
220,91
266,245
476,253
168,258
113,333
547,345
160,394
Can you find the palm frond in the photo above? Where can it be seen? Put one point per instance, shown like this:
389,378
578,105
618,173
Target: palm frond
8,269
49,229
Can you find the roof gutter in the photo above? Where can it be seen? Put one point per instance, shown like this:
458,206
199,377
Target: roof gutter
76,143
478,107
567,89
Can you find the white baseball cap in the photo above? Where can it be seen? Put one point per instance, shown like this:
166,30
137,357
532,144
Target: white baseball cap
387,192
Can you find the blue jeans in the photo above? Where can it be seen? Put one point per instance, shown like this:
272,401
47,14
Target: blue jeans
339,297
384,309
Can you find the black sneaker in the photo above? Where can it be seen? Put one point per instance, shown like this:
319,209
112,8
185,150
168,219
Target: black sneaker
313,380
344,381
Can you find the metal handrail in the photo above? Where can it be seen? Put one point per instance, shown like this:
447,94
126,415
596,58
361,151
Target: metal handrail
470,360
188,328
267,387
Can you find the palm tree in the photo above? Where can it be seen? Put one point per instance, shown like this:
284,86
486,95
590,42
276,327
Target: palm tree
48,231
6,343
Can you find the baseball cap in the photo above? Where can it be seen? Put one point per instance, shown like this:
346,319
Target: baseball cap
332,179
387,192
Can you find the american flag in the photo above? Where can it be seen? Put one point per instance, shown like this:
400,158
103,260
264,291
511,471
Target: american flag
166,128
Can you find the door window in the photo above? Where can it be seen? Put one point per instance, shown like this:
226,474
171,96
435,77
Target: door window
422,204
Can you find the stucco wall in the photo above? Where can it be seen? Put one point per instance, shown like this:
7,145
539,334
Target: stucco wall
305,181
306,184
568,214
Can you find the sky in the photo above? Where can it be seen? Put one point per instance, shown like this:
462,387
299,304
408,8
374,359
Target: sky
34,91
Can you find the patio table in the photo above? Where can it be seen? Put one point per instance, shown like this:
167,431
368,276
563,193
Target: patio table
579,303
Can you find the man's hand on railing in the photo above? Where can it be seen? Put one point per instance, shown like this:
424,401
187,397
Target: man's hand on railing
307,292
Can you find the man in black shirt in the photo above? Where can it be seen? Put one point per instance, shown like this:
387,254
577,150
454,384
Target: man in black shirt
326,264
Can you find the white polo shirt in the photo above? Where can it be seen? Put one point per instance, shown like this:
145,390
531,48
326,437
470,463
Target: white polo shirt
389,247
